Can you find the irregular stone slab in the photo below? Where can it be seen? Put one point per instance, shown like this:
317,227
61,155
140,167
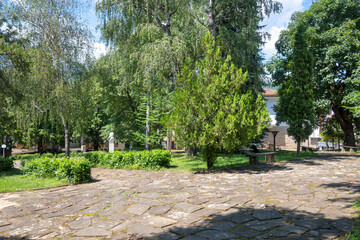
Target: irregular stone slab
206,212
120,216
294,229
92,232
138,209
223,206
80,223
264,225
106,224
122,226
267,214
192,237
329,233
242,219
143,230
3,222
246,232
221,226
277,233
157,221
186,207
312,224
215,235
185,230
160,210
343,224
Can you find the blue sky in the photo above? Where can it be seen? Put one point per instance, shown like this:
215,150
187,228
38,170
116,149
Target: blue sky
274,24
278,22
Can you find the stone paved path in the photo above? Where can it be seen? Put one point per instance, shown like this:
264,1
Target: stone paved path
308,199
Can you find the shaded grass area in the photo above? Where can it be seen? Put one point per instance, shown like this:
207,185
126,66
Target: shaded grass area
181,162
355,231
15,180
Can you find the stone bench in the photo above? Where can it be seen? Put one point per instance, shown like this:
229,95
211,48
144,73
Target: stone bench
305,149
269,157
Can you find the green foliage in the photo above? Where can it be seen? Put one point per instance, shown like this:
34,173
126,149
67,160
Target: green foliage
26,156
6,164
150,160
355,230
74,170
292,72
213,107
331,130
333,37
236,26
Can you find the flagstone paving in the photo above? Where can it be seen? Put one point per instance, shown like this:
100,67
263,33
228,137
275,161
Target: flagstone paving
308,199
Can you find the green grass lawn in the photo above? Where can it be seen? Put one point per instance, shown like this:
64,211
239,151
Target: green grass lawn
181,162
355,231
15,180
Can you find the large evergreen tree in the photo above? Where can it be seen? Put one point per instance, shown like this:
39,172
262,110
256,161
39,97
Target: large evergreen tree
213,107
292,72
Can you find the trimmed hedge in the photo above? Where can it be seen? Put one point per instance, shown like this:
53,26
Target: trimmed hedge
150,160
73,170
6,164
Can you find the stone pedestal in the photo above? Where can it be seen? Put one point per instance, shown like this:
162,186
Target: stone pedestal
83,148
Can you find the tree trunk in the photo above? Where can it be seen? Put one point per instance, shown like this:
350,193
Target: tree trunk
147,131
168,142
298,148
209,156
212,20
40,146
193,152
67,137
344,117
96,140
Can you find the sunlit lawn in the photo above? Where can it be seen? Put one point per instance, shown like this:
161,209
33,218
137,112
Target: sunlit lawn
355,231
15,180
181,162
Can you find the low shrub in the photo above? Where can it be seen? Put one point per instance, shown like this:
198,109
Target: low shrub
74,170
151,160
26,156
6,164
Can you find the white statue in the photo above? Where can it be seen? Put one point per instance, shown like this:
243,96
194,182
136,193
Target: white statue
111,142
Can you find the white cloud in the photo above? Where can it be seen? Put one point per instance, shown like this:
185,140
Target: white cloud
278,22
269,48
99,49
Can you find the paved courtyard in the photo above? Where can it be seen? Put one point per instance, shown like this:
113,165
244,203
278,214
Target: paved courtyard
309,199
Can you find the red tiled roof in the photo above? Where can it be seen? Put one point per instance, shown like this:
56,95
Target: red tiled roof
269,92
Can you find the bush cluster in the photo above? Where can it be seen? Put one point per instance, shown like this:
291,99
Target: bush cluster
74,169
150,160
6,164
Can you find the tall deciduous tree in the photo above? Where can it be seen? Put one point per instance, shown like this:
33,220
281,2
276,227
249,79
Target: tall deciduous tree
14,65
147,52
235,26
333,29
293,72
59,43
213,107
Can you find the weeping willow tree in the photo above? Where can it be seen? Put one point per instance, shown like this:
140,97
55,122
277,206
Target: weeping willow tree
147,50
59,44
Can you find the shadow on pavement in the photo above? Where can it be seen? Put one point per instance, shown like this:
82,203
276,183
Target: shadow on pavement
251,223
